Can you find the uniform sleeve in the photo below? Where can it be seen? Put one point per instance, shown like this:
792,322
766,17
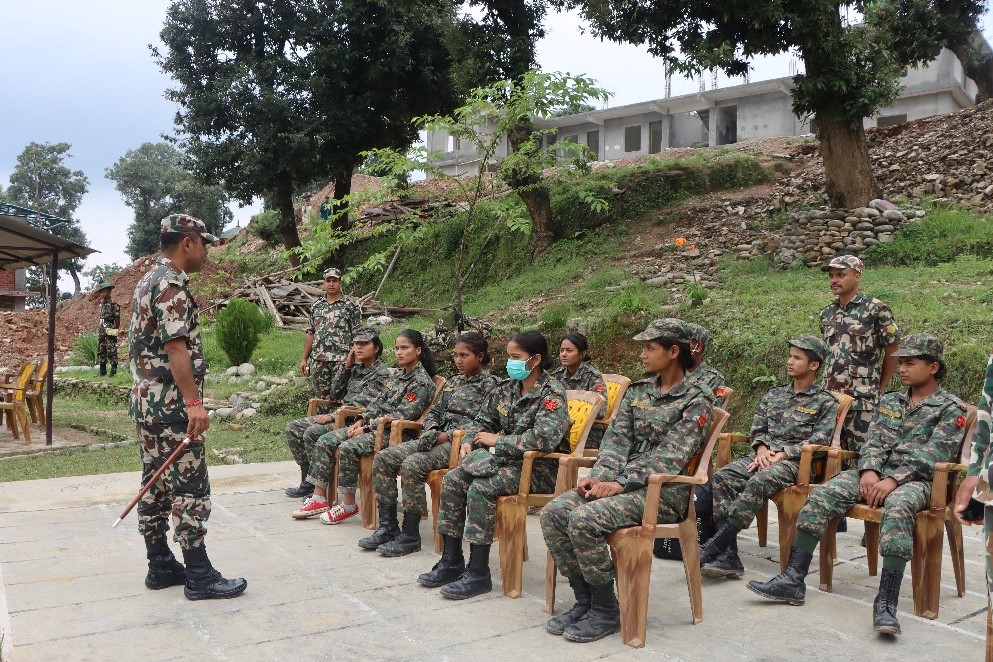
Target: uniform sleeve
886,329
173,308
977,460
599,386
435,420
354,318
551,424
339,384
415,399
615,447
759,433
827,416
873,454
487,420
680,444
940,447
310,321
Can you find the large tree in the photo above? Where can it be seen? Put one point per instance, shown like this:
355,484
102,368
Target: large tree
154,183
851,71
276,94
42,181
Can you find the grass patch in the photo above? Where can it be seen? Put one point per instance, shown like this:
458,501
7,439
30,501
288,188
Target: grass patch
939,237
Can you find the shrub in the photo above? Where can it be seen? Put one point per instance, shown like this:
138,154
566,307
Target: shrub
239,328
940,237
557,315
266,226
84,349
289,400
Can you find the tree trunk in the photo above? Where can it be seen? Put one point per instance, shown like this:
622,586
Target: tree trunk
288,224
340,210
75,280
978,64
532,190
848,177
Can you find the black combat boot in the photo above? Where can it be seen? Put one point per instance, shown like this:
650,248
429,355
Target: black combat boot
388,527
304,490
787,586
884,606
203,582
409,540
602,620
558,624
475,580
718,543
728,564
449,567
163,568
113,369
103,369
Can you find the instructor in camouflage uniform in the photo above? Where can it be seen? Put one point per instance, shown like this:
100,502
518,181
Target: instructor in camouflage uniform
332,322
527,412
168,367
110,325
660,426
789,416
860,331
912,430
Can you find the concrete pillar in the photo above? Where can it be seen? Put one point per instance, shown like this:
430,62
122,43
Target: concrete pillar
712,128
666,130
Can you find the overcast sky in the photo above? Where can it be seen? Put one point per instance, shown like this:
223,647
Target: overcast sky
81,72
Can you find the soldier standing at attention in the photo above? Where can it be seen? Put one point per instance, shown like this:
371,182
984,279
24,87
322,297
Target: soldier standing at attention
789,416
168,367
702,372
576,373
110,325
333,320
859,331
911,432
660,426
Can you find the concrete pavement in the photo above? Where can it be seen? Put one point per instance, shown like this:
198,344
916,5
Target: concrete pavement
71,588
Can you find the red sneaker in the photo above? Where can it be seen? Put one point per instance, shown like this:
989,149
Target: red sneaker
339,513
311,507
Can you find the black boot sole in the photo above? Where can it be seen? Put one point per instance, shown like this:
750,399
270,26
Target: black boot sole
437,583
720,573
394,552
466,596
154,585
887,629
373,545
209,595
587,640
777,598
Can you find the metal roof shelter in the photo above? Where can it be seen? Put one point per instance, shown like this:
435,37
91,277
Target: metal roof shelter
23,244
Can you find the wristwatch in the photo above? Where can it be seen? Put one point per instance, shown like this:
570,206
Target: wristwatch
622,481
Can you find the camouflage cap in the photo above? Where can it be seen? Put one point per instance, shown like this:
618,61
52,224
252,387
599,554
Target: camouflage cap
332,273
920,344
700,334
668,327
812,343
844,262
365,334
186,223
104,286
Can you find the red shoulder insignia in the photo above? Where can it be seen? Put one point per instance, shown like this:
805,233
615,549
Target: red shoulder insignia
411,396
599,388
960,422
720,392
551,405
702,420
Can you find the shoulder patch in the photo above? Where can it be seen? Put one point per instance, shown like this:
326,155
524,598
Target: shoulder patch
599,388
551,404
891,329
411,396
960,422
720,392
503,410
702,420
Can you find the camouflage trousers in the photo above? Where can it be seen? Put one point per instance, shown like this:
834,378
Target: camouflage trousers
413,466
835,497
856,426
576,528
740,493
322,374
107,350
988,536
468,503
595,435
322,457
183,491
301,436
350,454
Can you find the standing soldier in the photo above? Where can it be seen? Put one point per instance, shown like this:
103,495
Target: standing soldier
859,331
110,325
333,320
703,373
168,367
912,431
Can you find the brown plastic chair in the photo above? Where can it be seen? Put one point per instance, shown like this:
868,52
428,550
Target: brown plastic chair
632,546
12,402
511,511
314,406
433,481
33,396
929,525
790,500
617,386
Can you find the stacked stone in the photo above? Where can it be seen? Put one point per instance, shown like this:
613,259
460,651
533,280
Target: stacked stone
814,237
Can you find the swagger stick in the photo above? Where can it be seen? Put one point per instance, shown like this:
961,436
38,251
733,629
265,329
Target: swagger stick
158,474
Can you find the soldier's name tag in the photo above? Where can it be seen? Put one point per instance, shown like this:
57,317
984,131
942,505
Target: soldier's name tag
889,412
448,389
806,410
112,332
503,410
641,404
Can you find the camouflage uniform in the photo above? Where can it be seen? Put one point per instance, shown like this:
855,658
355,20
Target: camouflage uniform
162,310
653,432
857,335
110,318
458,405
785,421
332,325
903,443
538,421
586,378
707,376
405,396
979,465
355,387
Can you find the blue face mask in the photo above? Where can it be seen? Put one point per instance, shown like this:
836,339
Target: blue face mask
517,369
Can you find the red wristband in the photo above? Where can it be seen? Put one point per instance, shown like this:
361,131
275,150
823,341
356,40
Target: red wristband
194,403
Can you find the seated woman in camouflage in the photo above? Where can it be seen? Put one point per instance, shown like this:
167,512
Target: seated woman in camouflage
911,432
660,426
789,416
455,409
577,374
406,396
527,412
357,383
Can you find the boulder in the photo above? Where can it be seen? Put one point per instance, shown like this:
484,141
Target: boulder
246,370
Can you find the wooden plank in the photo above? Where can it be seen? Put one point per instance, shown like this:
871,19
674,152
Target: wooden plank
267,300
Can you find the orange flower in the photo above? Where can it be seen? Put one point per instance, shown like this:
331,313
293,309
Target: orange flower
681,241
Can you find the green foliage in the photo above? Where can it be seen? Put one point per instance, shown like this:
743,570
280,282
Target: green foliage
265,226
939,237
697,292
239,326
557,315
102,273
290,400
84,349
